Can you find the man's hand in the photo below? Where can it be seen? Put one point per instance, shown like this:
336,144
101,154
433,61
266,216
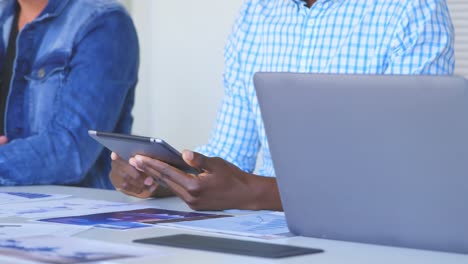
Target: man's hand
3,140
219,186
130,181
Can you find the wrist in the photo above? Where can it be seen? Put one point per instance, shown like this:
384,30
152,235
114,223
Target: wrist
265,194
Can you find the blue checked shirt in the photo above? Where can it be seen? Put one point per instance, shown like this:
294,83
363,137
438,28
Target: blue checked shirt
333,36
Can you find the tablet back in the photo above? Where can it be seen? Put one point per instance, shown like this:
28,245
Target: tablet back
374,159
127,146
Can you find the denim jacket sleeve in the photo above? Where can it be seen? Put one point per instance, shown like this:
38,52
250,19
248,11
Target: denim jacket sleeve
102,73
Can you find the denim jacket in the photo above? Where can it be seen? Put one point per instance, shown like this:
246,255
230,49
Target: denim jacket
76,69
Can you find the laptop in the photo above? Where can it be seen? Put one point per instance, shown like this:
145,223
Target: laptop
372,159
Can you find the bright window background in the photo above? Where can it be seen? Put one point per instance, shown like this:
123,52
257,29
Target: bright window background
180,85
459,11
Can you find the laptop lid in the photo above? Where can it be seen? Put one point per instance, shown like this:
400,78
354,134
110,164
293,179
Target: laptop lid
373,159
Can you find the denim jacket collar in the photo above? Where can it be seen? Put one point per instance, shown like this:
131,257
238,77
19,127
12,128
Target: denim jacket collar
53,9
8,8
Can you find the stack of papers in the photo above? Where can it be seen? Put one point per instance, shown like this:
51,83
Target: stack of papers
51,242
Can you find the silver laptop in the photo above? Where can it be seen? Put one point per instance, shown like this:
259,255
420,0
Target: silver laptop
373,159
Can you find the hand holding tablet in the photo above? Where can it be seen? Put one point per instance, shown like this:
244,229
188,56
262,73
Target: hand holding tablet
127,146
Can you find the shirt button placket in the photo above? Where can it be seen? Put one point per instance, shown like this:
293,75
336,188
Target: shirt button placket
308,33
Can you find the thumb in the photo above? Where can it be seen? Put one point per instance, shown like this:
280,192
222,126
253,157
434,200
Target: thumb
197,160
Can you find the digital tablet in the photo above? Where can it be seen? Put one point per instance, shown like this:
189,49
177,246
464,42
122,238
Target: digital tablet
127,146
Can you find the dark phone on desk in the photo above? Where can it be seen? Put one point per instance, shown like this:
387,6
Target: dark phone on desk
231,246
127,146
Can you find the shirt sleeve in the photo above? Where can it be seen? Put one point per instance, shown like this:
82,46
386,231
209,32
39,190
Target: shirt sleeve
103,72
235,136
424,40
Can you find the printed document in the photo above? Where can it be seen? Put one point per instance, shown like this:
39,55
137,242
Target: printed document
265,225
65,207
18,197
69,250
15,230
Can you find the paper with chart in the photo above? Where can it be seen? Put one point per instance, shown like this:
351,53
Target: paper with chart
65,207
264,225
19,197
15,230
123,220
70,250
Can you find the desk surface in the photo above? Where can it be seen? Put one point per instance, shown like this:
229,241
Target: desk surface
335,251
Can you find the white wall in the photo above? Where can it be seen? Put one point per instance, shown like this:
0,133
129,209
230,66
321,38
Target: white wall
180,85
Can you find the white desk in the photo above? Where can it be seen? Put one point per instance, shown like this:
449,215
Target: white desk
335,251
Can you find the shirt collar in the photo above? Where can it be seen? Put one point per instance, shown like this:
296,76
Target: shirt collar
302,2
53,8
